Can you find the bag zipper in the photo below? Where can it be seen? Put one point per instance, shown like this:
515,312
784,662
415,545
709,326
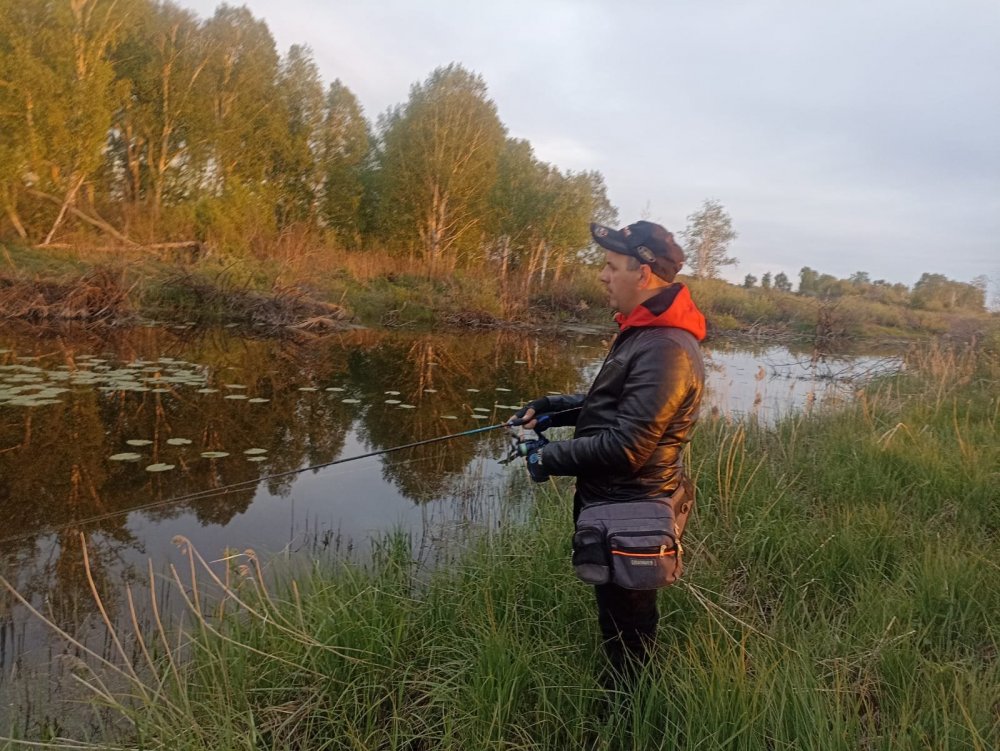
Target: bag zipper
661,552
653,551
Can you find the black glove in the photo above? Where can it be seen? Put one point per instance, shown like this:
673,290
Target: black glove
532,452
541,407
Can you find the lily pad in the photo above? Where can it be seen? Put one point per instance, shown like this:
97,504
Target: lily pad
501,388
335,388
214,454
258,400
50,392
520,362
125,457
430,391
407,406
392,401
392,393
255,452
235,386
449,417
179,441
480,417
207,391
473,391
256,458
235,396
481,409
138,442
351,401
308,388
159,467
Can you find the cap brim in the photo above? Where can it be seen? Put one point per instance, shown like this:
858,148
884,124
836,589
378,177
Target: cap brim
609,239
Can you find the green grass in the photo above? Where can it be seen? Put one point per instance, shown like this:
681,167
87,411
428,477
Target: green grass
765,313
842,589
377,289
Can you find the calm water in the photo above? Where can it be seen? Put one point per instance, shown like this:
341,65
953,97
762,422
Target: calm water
86,422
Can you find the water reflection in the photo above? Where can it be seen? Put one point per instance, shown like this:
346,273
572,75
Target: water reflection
304,404
768,382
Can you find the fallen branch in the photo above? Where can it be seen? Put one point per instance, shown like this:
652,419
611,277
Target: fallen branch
94,222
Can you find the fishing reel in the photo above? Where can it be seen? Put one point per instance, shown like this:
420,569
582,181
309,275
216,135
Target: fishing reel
523,442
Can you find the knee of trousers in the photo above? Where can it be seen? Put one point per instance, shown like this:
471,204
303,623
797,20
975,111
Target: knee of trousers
626,612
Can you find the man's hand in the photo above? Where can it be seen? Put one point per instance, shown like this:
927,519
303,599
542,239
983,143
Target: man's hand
532,453
532,415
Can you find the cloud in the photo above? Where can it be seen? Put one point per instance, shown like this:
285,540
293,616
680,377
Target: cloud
845,136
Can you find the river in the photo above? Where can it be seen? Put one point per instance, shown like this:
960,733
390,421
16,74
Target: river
100,430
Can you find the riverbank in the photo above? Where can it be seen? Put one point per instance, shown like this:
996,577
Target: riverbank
319,293
841,592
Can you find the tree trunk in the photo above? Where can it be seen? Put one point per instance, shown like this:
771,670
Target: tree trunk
100,224
132,157
533,262
15,220
545,264
70,196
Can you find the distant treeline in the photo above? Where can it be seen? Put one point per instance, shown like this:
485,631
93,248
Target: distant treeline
931,292
137,122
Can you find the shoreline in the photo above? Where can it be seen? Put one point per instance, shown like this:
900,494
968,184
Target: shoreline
265,299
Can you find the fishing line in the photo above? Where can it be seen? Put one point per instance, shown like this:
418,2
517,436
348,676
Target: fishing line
249,484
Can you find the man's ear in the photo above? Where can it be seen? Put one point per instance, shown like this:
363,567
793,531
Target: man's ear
645,275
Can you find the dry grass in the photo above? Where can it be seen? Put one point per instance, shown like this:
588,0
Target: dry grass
284,306
101,294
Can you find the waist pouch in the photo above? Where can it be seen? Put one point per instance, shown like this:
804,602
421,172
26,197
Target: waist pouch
633,544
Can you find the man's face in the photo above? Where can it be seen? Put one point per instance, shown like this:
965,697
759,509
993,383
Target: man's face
622,284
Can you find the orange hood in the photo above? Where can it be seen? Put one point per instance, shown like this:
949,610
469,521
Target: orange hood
672,307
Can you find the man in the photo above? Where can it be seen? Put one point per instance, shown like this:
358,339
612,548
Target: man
631,426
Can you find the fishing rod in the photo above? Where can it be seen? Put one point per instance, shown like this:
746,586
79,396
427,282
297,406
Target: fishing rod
247,484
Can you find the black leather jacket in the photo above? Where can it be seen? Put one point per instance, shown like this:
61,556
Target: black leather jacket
633,423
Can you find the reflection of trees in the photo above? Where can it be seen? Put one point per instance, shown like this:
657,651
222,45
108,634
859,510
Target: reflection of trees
449,365
54,467
55,472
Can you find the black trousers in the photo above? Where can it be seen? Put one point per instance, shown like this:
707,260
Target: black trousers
628,619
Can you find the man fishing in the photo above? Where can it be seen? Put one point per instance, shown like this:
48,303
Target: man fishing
631,426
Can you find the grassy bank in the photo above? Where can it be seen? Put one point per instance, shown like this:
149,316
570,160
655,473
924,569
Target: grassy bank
320,290
294,290
842,592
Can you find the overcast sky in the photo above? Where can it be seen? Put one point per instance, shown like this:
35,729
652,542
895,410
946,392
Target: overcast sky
845,136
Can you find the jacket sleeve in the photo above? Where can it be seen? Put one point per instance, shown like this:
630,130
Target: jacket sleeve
654,390
564,408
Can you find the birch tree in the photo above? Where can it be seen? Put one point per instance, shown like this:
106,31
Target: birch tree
438,165
345,146
159,136
59,99
243,73
516,204
296,170
706,240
